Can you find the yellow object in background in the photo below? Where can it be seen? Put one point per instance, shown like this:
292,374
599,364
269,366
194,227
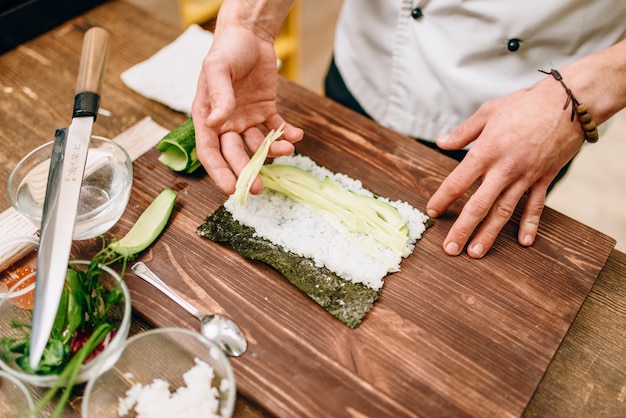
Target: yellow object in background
197,11
287,43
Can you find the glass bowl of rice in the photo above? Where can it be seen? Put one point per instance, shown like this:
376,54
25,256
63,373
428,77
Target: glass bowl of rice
16,304
164,372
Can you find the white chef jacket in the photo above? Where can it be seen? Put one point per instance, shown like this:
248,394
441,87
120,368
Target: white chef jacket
423,67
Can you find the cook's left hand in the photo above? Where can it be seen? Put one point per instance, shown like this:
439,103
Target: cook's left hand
522,140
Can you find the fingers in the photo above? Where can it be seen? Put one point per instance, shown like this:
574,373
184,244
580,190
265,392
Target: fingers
209,154
291,135
220,108
474,211
487,212
454,186
498,215
466,132
224,156
285,145
484,215
489,209
221,146
212,108
529,223
236,156
253,137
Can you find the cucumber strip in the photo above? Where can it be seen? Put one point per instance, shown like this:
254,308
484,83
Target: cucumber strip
178,148
347,211
148,227
251,170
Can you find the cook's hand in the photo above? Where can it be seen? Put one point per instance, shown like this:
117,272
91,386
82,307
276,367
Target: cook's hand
521,142
236,94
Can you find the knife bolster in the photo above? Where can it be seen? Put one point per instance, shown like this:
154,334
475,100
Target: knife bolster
86,103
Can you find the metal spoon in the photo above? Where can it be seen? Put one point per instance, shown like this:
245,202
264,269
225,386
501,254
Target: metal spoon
218,328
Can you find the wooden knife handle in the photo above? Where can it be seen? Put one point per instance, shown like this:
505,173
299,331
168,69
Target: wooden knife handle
93,61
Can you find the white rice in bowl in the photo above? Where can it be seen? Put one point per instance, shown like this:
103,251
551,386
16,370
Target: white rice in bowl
198,398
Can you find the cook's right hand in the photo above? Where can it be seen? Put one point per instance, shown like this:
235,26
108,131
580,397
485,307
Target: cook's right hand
236,95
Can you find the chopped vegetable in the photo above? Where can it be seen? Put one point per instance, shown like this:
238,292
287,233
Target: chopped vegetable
178,148
87,311
70,372
83,326
148,227
251,170
347,211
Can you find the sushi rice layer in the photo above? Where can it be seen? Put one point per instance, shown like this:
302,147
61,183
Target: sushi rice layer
300,230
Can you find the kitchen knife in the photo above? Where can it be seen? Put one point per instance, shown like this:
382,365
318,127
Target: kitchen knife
67,166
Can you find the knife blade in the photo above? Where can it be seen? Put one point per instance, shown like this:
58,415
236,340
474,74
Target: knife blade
65,177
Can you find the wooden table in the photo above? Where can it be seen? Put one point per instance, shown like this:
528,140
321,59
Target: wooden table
587,376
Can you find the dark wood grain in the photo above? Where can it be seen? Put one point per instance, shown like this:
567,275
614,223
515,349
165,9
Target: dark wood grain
449,336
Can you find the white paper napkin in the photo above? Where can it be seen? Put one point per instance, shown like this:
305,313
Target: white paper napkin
170,76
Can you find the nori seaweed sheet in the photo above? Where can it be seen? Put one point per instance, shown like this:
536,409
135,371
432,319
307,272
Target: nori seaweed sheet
346,301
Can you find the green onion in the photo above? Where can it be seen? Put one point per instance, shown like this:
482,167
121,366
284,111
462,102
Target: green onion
80,308
70,372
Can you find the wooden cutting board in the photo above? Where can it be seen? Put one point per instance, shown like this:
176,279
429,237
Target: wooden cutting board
449,336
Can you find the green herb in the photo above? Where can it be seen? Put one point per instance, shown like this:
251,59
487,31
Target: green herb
83,319
84,310
70,372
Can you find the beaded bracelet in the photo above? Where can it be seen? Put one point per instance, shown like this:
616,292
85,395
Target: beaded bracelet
590,129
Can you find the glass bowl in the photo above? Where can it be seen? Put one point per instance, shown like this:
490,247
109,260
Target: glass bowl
15,399
17,252
104,193
15,308
164,355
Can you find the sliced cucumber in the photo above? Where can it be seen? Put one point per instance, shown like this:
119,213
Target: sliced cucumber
178,148
251,170
347,211
148,227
